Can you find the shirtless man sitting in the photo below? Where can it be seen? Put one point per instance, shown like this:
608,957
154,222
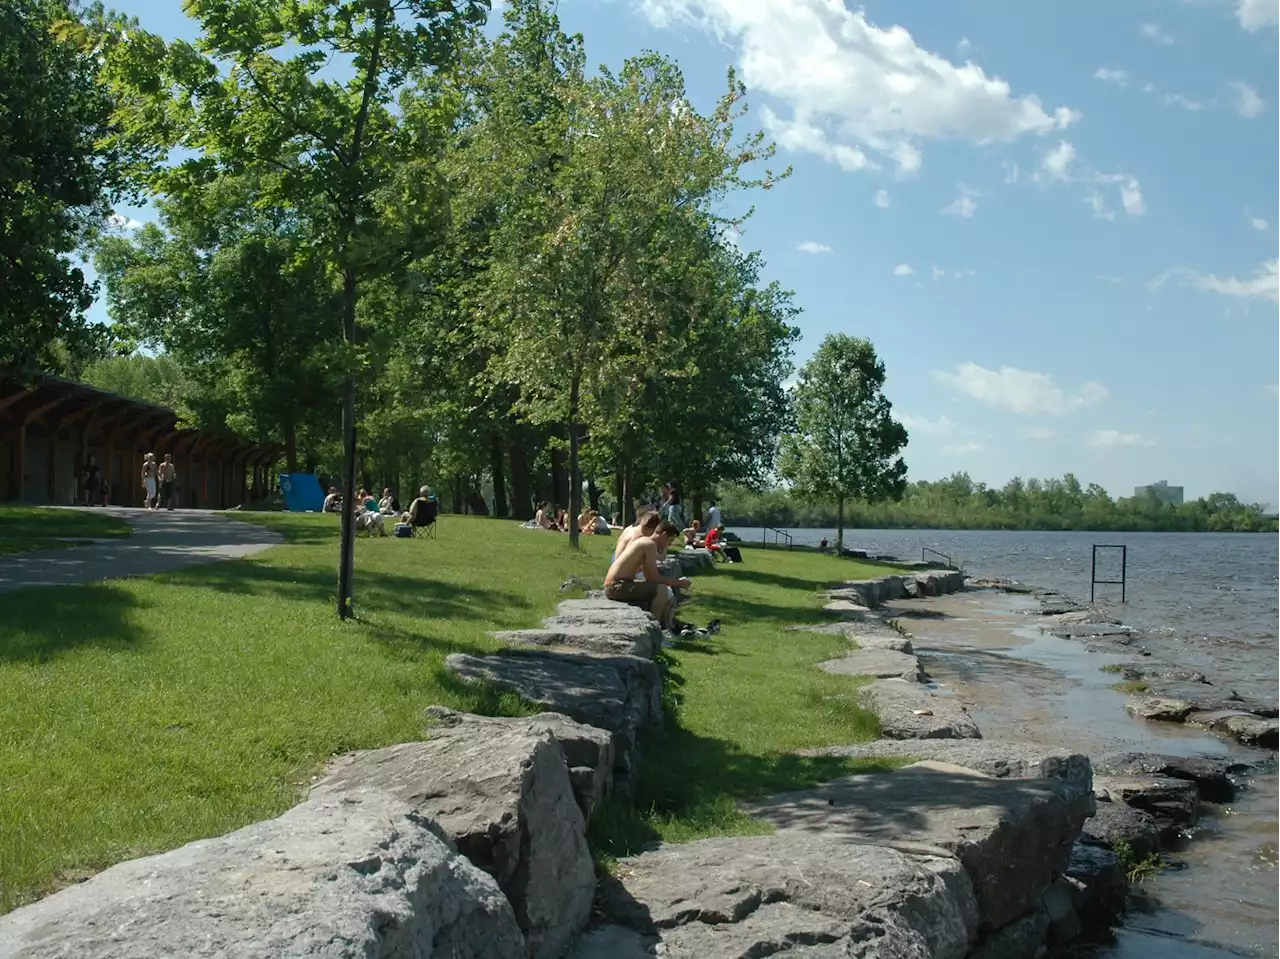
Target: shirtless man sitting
646,522
641,556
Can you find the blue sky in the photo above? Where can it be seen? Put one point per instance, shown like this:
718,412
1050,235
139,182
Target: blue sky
1058,226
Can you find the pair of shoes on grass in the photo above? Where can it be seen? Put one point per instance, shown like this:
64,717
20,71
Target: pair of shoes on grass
690,631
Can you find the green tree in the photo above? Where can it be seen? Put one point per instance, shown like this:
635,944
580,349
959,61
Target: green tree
152,379
309,92
846,444
57,185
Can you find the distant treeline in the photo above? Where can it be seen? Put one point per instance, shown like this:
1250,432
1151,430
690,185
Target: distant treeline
960,503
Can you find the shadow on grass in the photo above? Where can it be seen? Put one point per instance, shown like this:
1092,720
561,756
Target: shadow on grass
99,616
774,579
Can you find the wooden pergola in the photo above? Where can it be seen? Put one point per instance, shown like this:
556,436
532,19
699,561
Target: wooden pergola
49,427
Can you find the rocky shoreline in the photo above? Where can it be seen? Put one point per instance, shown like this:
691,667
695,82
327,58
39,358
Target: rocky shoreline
472,842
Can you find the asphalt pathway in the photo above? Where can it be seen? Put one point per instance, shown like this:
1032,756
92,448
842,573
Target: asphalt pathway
161,541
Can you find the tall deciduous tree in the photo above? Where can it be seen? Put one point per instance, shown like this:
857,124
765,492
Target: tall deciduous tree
308,89
57,183
846,444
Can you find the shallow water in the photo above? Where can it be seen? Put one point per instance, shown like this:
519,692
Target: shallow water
1204,600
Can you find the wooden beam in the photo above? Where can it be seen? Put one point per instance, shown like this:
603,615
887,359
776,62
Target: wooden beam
7,401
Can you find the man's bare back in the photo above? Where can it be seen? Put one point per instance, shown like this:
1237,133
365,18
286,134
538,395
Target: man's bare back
640,555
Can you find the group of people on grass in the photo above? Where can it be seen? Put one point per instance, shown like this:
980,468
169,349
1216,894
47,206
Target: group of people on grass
371,514
590,522
159,482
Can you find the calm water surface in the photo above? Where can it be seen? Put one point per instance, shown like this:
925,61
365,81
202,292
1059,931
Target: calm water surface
1205,600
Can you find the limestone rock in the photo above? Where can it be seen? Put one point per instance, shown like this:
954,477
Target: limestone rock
1211,775
505,800
1151,707
604,639
1114,822
1000,760
1013,836
1253,730
880,663
1161,672
1099,888
897,644
1163,796
333,878
845,606
910,711
587,751
1020,939
614,942
603,613
761,895
1201,696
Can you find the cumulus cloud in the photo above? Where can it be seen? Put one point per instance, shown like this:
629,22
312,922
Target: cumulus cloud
812,246
1098,204
963,206
937,273
1249,103
923,426
852,92
1111,439
903,269
118,222
1263,285
881,199
1257,222
1178,100
1056,164
1061,165
1119,77
1256,14
1156,34
1131,197
1020,391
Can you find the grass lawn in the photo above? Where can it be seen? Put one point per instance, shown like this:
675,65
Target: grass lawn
142,714
36,522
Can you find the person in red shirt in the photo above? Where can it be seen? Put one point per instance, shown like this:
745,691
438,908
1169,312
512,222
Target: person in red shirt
713,543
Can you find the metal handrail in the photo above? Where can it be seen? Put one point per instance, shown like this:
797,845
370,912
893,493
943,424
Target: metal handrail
926,549
1122,582
778,536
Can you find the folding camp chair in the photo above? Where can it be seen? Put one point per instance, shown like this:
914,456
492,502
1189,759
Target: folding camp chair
423,521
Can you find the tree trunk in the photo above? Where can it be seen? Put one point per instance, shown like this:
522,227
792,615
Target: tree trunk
575,475
593,495
628,493
347,534
499,477
840,524
559,482
291,446
619,494
457,494
521,495
697,508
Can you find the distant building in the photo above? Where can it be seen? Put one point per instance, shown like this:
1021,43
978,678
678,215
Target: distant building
1162,491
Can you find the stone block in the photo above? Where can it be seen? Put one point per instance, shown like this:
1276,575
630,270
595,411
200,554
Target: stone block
1114,822
1163,796
1155,708
1013,836
1099,888
878,663
602,639
1212,775
355,877
763,895
502,795
909,711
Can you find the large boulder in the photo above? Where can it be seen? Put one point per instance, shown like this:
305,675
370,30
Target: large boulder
1177,800
1099,887
878,663
909,711
1158,708
604,613
502,795
587,751
1113,823
1244,727
353,877
762,895
1212,775
1013,836
611,640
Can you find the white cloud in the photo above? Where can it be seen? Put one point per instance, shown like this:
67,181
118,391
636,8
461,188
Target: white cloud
964,205
965,46
962,449
1110,439
1256,14
963,274
852,89
1249,103
1131,197
1020,391
1119,77
1038,433
937,273
1178,100
923,426
118,222
1148,88
1265,283
1257,222
1155,33
1098,204
812,246
881,199
903,269
1056,164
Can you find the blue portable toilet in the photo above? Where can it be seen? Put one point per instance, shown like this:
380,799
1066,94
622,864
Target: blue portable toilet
302,493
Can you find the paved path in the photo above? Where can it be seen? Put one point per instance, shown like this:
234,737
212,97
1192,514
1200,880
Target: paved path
161,541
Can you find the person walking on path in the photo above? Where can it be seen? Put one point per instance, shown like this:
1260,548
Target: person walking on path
149,479
91,481
168,476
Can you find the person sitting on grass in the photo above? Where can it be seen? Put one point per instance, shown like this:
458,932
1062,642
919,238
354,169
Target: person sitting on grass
714,543
333,502
388,503
654,592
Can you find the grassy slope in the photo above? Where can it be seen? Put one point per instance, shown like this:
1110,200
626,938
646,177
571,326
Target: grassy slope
17,522
141,714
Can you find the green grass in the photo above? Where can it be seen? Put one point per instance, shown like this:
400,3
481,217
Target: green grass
1130,686
19,522
1113,668
142,714
1136,868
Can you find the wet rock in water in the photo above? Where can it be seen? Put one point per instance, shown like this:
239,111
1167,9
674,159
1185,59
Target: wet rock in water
502,795
587,750
1083,630
341,877
1099,887
1161,672
1114,823
761,895
878,663
1156,708
1177,800
1019,939
1210,774
1202,696
909,711
1013,836
1253,730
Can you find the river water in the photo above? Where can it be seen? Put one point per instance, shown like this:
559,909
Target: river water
1204,600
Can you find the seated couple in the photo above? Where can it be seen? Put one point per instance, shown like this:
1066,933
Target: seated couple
633,577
